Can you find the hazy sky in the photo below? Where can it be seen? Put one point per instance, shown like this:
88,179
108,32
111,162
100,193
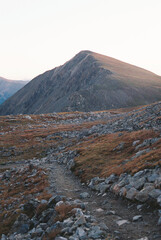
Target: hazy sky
38,35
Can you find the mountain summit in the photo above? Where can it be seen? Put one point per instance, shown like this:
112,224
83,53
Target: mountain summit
88,82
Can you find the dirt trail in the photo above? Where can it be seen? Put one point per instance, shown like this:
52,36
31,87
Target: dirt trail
63,182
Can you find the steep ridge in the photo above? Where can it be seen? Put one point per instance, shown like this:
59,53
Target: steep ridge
9,87
88,82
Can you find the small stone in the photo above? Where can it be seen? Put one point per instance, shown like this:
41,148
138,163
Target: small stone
73,238
123,192
84,195
43,201
159,200
139,207
117,238
68,222
121,222
144,238
105,202
99,210
3,237
159,212
65,230
81,220
95,233
103,226
116,188
71,164
103,187
60,238
59,203
110,213
135,143
78,212
55,199
137,218
81,233
159,221
119,147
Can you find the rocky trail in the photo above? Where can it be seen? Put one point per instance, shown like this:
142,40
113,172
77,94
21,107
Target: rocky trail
116,213
121,218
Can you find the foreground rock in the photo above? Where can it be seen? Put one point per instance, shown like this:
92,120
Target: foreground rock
76,224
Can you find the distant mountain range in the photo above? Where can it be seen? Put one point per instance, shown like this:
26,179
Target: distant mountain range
9,87
88,82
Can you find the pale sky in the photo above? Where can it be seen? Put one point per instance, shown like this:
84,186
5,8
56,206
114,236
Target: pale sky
38,35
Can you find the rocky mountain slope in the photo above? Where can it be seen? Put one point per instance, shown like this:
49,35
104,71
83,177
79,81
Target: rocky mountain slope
9,87
88,82
82,175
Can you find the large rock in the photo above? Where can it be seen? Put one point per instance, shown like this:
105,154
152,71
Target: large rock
138,183
155,193
131,193
143,195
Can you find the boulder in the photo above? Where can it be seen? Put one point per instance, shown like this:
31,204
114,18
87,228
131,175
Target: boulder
155,193
138,183
131,193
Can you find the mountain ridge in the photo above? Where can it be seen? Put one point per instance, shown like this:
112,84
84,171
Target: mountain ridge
88,82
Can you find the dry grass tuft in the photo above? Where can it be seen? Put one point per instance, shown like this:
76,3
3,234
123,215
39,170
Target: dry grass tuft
42,207
64,211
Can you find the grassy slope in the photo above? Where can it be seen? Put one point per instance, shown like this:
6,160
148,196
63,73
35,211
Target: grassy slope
97,157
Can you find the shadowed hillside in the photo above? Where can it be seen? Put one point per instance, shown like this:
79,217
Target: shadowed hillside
88,82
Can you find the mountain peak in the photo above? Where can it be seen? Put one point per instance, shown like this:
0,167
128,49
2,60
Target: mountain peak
88,82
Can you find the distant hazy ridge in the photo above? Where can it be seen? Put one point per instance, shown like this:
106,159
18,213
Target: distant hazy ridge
9,87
